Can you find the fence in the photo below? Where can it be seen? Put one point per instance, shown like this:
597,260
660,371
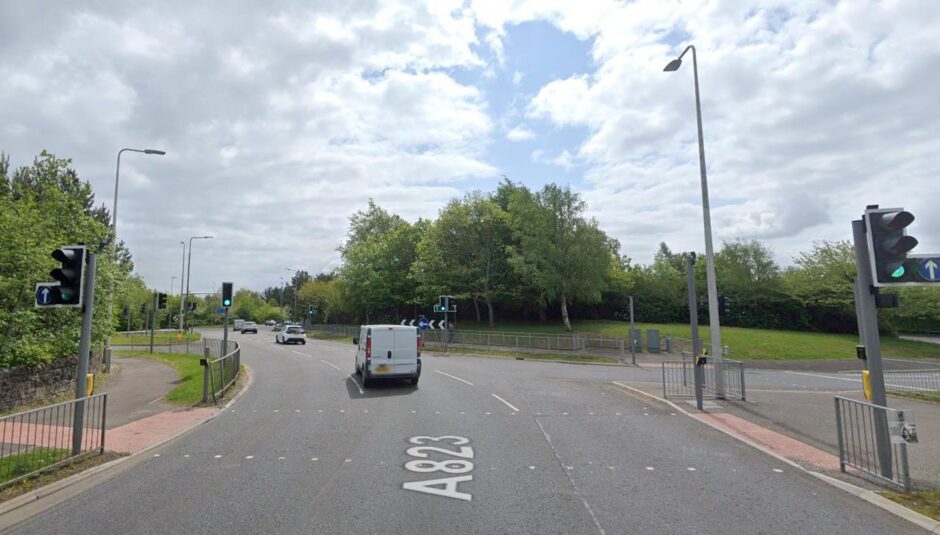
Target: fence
679,378
41,439
859,425
222,364
140,340
917,381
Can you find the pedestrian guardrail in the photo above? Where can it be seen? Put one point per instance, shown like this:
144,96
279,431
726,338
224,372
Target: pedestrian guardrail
222,363
41,439
873,439
679,378
913,381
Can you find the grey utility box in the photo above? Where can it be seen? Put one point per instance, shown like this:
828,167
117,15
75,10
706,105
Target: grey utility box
652,340
637,336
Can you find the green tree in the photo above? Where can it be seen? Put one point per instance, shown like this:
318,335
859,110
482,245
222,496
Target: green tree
822,281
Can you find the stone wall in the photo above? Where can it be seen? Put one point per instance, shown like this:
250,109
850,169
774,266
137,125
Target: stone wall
25,385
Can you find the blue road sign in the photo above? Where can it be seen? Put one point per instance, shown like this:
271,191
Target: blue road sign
44,295
423,324
930,269
220,311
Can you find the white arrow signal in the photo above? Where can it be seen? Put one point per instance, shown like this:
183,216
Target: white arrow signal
403,322
45,292
931,268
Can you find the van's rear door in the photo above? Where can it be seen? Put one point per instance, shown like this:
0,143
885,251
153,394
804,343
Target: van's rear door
383,350
405,355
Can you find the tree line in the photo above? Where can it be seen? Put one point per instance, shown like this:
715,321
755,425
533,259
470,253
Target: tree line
517,254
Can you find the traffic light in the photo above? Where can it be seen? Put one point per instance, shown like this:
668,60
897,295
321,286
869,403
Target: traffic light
311,310
888,245
143,308
724,304
192,306
226,294
69,275
161,301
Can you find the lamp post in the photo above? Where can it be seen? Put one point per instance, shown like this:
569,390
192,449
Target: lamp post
713,320
117,177
189,265
182,272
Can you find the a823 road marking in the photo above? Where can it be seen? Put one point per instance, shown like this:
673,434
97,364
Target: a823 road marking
458,469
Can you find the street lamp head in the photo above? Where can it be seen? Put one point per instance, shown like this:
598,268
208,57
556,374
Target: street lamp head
673,65
154,151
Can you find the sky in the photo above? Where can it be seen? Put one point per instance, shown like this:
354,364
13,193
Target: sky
281,119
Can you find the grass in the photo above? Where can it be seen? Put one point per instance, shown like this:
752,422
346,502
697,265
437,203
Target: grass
319,335
40,480
747,344
161,338
922,396
188,390
20,464
925,502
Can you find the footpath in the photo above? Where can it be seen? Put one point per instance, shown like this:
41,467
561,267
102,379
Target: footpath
137,416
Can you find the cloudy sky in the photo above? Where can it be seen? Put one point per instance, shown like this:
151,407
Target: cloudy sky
280,119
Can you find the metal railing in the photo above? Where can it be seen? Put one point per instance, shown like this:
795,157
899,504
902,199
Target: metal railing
222,364
859,425
41,439
679,378
916,381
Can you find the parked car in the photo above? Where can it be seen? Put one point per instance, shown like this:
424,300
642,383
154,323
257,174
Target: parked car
388,352
290,334
250,327
270,323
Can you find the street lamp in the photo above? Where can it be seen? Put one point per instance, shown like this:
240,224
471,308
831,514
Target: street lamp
714,324
117,177
182,272
189,264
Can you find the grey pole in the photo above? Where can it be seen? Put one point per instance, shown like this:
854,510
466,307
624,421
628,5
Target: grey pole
117,177
84,348
632,341
872,343
224,334
713,319
189,265
153,320
693,323
182,275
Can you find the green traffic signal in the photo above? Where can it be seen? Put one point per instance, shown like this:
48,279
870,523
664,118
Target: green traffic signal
898,273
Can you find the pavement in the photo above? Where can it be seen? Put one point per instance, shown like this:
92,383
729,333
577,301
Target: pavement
481,445
136,388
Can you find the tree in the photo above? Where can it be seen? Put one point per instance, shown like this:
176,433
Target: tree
464,251
567,254
822,281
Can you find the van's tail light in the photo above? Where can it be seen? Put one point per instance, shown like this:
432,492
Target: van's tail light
368,348
419,346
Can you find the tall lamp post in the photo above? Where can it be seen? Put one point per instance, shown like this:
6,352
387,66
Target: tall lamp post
189,264
117,178
713,320
182,275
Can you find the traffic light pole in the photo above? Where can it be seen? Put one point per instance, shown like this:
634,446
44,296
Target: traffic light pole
84,349
153,320
698,369
224,334
632,341
871,339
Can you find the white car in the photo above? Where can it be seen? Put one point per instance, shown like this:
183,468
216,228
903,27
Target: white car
290,334
388,352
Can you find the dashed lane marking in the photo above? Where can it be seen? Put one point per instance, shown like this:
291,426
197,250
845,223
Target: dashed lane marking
508,404
301,354
454,377
330,364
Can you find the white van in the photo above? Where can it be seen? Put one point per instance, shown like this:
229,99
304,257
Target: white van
388,352
239,324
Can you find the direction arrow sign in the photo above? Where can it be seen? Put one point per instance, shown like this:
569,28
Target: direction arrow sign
930,269
424,324
403,322
44,294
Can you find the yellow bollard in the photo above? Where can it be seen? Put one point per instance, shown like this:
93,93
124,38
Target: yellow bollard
89,384
866,384
179,336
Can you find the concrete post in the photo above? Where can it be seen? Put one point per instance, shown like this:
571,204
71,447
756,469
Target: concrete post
84,348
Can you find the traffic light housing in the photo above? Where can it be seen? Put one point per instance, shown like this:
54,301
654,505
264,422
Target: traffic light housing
226,294
311,310
724,305
888,245
161,301
69,275
192,306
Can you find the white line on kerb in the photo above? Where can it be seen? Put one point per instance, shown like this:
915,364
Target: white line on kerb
454,377
330,364
508,404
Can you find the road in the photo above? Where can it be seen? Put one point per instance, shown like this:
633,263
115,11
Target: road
535,448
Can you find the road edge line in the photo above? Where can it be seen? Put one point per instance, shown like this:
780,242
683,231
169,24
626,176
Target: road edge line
56,486
869,496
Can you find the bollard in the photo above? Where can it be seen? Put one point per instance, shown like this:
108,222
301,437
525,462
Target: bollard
205,375
668,345
107,360
623,359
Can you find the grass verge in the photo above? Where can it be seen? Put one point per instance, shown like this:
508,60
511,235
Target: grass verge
925,502
319,335
64,471
747,344
522,354
188,389
921,396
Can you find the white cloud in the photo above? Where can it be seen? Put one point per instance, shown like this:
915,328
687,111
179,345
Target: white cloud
563,159
520,134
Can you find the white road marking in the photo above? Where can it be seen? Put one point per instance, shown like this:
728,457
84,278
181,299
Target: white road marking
186,456
277,410
301,354
825,376
330,364
508,404
650,468
691,469
454,377
314,458
249,456
486,413
218,456
296,410
355,382
779,471
281,458
348,461
531,468
156,454
154,401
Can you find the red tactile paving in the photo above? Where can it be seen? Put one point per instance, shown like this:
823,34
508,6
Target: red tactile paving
143,433
780,444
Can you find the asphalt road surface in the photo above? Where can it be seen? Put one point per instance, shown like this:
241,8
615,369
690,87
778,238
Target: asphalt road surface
479,446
